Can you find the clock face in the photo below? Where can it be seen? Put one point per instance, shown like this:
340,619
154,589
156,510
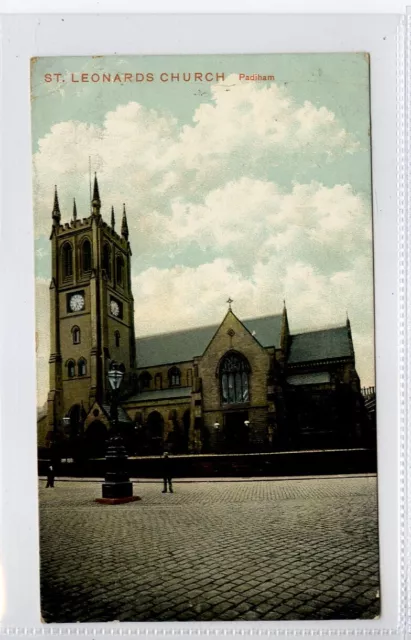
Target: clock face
114,308
77,302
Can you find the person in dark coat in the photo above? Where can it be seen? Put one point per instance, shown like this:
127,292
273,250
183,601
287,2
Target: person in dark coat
167,473
50,477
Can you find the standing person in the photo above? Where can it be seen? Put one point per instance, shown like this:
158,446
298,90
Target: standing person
167,473
50,477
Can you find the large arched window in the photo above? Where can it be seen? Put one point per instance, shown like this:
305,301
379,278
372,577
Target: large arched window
76,335
107,260
82,367
86,256
145,380
71,368
234,378
174,377
67,254
120,270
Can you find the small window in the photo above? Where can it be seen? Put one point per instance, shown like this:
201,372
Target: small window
117,338
67,260
145,380
76,335
86,256
71,369
174,377
119,270
158,382
82,367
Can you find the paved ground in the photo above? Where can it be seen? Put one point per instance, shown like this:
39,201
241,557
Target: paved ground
262,550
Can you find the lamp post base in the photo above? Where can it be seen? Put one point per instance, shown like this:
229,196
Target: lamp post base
117,500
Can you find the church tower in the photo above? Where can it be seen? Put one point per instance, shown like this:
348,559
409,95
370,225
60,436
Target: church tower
91,310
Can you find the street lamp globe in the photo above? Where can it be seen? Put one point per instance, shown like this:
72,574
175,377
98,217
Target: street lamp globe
247,423
115,378
216,426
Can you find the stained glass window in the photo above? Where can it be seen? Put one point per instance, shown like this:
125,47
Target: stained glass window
234,378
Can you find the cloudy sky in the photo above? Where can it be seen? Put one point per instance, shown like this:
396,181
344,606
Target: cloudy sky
258,191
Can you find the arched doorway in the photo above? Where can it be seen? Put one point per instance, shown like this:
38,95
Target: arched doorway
75,416
236,432
96,439
154,433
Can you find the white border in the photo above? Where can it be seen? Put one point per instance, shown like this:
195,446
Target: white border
24,36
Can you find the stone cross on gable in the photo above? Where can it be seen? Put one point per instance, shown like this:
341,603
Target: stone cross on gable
229,302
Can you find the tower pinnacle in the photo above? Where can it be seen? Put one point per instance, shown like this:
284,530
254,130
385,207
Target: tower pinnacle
285,330
113,219
56,215
124,225
96,202
74,210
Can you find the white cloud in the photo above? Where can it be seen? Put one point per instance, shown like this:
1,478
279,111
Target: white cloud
250,219
144,157
250,119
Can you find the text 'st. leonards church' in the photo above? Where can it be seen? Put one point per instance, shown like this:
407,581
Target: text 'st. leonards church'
242,385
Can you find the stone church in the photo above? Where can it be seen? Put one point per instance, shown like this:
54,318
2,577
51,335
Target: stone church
244,385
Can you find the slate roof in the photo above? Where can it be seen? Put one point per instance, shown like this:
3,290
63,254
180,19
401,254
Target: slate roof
325,344
161,394
182,346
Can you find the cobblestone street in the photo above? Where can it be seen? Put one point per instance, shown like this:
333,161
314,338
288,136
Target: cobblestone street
261,550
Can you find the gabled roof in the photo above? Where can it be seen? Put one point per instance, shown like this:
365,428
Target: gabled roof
122,415
182,346
325,344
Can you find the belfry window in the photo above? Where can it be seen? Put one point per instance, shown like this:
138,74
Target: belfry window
234,378
174,377
119,270
82,367
86,256
71,368
117,338
76,335
107,260
67,260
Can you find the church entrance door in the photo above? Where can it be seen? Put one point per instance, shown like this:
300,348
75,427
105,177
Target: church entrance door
236,433
96,439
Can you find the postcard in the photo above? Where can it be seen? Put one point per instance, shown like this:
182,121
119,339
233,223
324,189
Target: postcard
206,403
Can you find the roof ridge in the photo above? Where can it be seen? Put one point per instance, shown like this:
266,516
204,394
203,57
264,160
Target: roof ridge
305,332
168,333
205,326
268,315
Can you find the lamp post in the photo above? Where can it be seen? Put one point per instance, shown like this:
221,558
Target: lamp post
247,432
116,488
216,431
